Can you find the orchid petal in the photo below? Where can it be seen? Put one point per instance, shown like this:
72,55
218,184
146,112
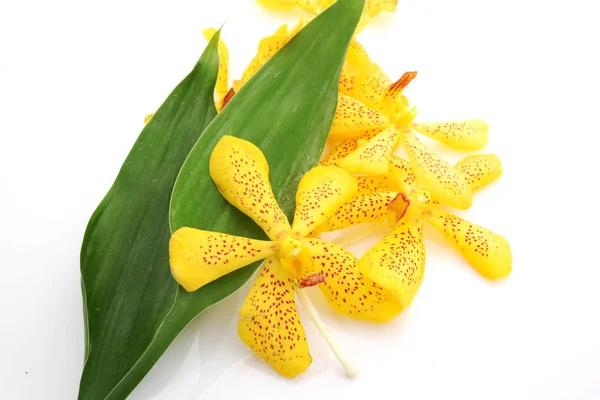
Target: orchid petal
370,85
363,208
352,119
488,252
267,47
241,173
346,82
222,85
479,170
199,257
342,150
269,323
321,191
397,262
402,175
373,157
374,184
357,57
347,290
437,176
467,135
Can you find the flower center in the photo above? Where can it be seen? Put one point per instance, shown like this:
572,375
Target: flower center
289,247
297,259
411,206
422,196
420,202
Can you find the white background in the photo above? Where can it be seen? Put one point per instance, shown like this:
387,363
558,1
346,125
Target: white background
77,79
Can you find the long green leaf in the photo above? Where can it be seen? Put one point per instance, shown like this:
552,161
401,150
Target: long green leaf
286,109
127,287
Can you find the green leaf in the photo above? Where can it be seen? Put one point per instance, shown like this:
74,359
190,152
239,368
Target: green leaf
127,287
135,309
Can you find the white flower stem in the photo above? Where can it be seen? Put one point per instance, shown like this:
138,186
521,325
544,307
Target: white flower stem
349,367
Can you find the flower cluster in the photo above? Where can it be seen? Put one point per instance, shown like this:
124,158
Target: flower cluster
360,180
269,322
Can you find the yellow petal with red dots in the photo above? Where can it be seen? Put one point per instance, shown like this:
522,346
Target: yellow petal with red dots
346,82
352,119
199,257
437,176
402,175
363,208
372,158
374,184
357,57
397,262
241,173
479,170
267,47
269,323
370,85
347,290
488,252
321,191
222,85
468,135
341,151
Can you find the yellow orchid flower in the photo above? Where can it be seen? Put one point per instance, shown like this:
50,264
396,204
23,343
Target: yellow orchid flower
397,262
269,322
373,118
